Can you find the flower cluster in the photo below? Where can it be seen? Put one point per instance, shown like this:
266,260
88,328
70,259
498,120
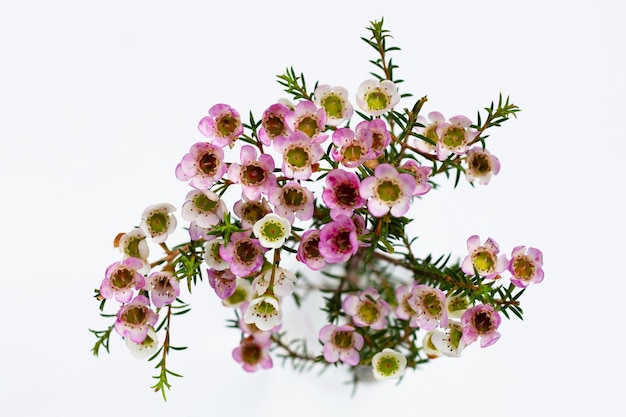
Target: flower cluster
307,188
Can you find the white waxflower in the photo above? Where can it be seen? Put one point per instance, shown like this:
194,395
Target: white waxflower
146,348
388,364
157,222
272,231
264,312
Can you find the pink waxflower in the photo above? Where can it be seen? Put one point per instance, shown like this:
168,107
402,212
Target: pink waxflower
122,279
428,138
526,266
158,222
350,150
163,288
338,240
377,97
341,343
203,207
197,233
388,191
202,166
367,309
484,258
135,319
224,282
481,165
481,321
308,250
454,136
253,352
251,211
310,120
341,193
299,155
255,176
377,130
334,101
222,125
404,311
429,305
244,253
421,174
274,124
292,200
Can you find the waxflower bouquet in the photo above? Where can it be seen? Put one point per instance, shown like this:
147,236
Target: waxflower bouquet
317,187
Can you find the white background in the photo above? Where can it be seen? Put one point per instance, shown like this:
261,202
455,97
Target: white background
100,100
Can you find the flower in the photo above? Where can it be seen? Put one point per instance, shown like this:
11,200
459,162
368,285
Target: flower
273,123
251,211
454,136
222,125
133,245
457,305
299,155
526,266
203,207
341,343
272,231
481,164
310,120
404,311
244,254
484,259
388,364
481,321
202,166
450,342
427,345
135,318
282,282
428,131
164,288
377,130
309,252
338,240
350,150
334,101
429,305
242,294
145,349
224,282
388,191
255,176
421,174
292,200
264,312
377,97
212,255
367,309
253,353
121,279
341,193
157,222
